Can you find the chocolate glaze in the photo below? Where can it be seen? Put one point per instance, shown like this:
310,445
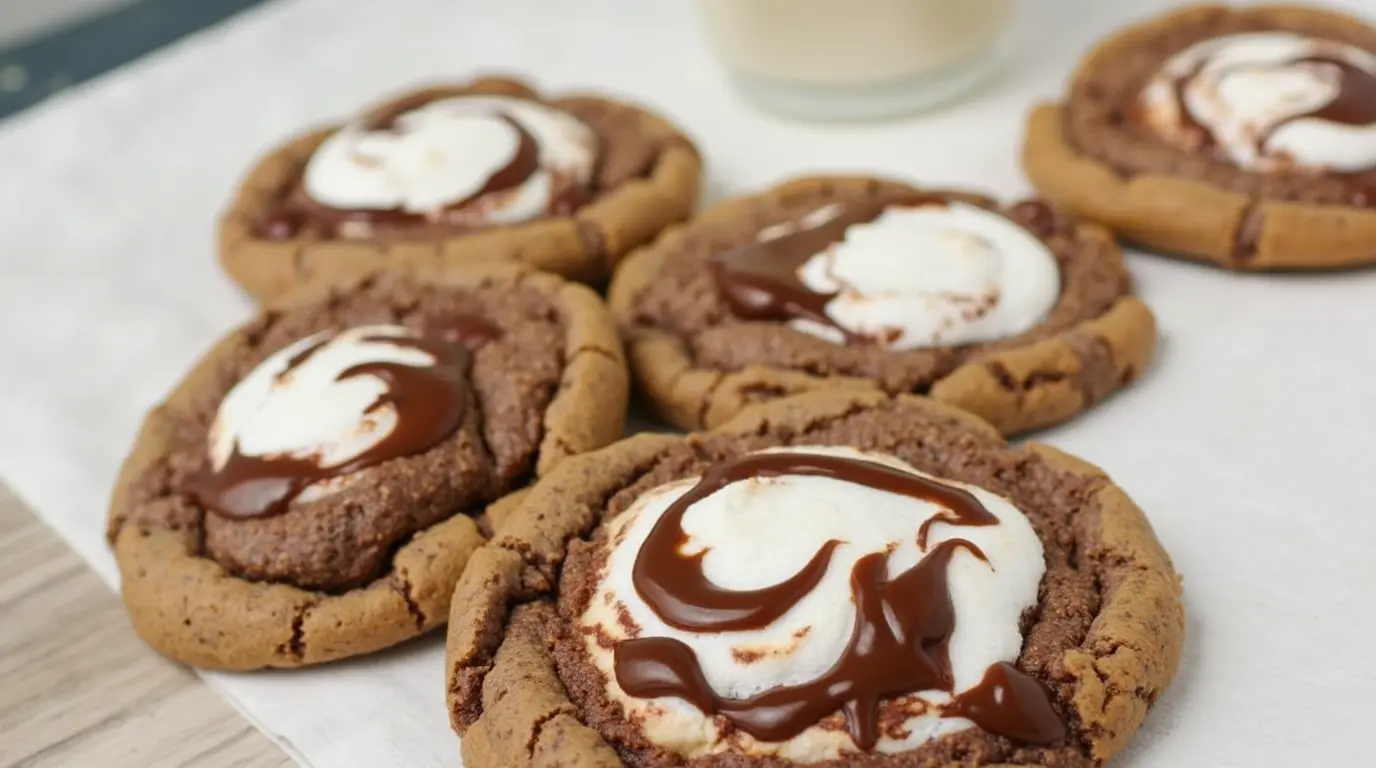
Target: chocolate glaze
299,213
903,624
430,404
759,281
1010,702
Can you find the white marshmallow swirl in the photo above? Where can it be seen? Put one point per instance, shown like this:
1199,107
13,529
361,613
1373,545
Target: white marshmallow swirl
305,411
759,532
1258,96
930,275
445,152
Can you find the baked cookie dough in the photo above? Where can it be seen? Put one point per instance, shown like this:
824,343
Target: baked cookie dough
454,174
1242,136
1018,314
315,485
833,579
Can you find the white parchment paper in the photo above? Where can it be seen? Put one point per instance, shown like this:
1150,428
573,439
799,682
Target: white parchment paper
1248,442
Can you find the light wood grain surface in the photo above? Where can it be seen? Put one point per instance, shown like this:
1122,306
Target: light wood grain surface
78,688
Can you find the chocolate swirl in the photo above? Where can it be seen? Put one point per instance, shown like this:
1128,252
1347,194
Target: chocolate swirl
1353,104
760,281
678,591
430,403
298,212
899,642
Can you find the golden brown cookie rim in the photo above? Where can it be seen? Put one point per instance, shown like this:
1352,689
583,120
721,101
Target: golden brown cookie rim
695,397
1138,631
583,246
1182,216
586,412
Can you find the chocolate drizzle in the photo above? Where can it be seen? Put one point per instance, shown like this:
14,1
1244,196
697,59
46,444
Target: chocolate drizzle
298,212
759,281
1009,702
430,403
899,643
385,117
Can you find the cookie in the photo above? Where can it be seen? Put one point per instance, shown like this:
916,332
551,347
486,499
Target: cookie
1017,313
1245,137
833,579
313,488
453,174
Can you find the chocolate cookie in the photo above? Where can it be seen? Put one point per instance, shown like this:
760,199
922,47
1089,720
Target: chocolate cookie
454,174
1241,136
315,485
833,579
1016,313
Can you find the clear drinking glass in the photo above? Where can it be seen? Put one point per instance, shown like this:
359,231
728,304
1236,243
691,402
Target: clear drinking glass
853,59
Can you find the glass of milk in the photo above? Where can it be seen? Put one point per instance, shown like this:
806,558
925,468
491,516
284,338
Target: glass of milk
855,59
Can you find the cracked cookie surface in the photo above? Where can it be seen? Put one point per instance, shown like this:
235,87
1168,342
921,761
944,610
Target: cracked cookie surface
1104,636
268,568
1226,196
700,362
641,175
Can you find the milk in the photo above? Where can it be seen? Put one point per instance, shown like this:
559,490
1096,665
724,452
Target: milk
855,58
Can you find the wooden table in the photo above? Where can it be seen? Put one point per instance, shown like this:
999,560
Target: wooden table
78,688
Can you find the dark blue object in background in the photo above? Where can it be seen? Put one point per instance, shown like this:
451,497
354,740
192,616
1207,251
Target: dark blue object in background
33,70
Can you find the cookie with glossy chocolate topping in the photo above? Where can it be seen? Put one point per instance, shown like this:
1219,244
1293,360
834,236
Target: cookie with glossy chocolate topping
314,487
453,174
1241,136
836,578
1017,313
